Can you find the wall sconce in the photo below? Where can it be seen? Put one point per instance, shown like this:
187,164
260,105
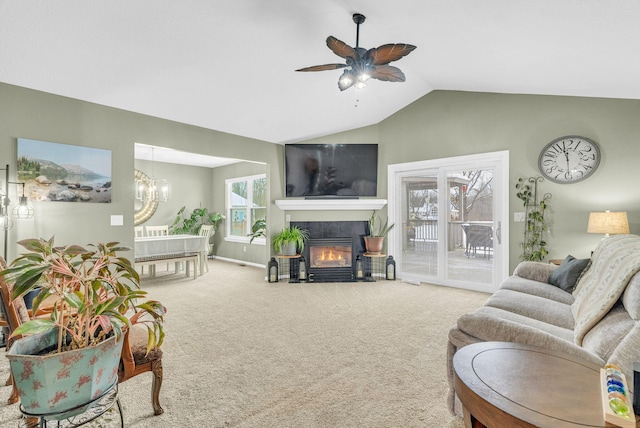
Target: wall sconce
609,223
21,211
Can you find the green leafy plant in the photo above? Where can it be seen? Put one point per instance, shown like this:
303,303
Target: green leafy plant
290,235
94,292
377,228
534,246
191,225
258,229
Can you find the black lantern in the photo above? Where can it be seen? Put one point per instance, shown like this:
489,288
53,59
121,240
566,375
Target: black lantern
391,268
303,269
273,270
359,268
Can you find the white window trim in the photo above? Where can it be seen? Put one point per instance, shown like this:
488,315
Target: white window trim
234,238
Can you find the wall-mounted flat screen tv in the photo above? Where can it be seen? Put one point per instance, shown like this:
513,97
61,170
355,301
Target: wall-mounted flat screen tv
331,170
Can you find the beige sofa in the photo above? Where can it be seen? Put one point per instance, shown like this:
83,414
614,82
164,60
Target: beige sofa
599,320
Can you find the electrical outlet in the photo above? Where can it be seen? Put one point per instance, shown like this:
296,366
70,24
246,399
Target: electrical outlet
518,217
244,248
287,217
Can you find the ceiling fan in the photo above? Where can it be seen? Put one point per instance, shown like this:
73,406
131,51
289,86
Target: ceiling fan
364,64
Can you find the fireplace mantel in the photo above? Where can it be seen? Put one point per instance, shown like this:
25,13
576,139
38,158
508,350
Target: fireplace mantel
330,204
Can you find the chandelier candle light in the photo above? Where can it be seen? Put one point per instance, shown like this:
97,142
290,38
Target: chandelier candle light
152,189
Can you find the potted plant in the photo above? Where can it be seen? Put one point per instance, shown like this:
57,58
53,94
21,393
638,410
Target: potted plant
534,246
378,230
290,240
69,359
258,229
191,225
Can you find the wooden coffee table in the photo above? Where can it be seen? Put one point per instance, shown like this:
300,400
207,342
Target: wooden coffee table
511,385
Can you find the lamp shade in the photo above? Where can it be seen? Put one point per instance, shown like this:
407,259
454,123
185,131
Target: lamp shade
608,222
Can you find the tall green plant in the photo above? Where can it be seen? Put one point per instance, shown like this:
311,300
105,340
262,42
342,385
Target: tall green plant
191,225
377,228
534,246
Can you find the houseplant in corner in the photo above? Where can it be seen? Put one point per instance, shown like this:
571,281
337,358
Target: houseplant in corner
378,230
290,240
71,358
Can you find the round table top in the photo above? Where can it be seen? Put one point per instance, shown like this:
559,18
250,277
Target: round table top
520,385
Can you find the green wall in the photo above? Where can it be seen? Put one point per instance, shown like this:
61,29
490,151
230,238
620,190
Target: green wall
440,124
41,116
446,124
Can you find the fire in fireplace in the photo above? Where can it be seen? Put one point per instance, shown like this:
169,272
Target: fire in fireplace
330,256
330,259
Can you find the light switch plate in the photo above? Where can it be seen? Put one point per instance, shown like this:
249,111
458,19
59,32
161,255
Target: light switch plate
518,217
117,220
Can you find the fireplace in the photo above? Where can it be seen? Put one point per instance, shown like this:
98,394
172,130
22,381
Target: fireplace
332,249
330,259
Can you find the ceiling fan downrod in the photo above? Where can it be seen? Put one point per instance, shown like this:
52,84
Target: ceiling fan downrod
358,18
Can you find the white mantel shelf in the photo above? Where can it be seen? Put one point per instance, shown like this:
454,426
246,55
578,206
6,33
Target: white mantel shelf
330,204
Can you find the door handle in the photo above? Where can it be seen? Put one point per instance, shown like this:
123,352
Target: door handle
499,233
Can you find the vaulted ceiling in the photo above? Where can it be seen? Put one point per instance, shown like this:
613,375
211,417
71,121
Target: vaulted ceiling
229,65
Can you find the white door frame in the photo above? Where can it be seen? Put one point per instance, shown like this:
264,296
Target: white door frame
499,161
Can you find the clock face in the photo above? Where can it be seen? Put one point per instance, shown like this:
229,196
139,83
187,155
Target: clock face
569,159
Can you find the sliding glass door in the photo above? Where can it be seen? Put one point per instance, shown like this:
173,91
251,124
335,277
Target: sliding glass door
451,215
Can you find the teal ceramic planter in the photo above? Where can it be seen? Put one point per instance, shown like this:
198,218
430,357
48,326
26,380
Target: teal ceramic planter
59,383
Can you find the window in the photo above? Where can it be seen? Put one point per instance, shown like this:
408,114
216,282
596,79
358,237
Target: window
246,203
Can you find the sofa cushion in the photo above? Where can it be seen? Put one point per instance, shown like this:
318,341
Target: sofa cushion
534,307
605,336
568,273
536,271
489,324
540,289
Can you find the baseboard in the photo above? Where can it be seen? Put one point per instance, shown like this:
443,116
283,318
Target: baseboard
239,262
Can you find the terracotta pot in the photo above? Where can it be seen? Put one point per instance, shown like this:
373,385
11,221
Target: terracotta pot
60,383
373,245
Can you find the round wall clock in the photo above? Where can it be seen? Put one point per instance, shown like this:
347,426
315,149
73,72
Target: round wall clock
569,159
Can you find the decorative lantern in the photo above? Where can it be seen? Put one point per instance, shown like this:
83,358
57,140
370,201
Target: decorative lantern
359,268
273,270
391,268
303,269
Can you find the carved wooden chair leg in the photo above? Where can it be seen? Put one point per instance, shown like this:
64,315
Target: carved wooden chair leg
14,397
155,387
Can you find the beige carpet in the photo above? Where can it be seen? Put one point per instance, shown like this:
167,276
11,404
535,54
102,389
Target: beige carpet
241,352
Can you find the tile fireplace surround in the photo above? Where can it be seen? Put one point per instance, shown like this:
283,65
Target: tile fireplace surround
323,230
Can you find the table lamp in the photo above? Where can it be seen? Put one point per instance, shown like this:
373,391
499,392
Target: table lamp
608,222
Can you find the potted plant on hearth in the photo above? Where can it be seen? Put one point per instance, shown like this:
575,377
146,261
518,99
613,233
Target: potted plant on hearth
290,240
378,230
71,358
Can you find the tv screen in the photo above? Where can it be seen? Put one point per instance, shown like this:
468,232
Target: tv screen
331,170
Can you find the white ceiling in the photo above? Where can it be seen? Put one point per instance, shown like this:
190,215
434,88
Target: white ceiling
229,65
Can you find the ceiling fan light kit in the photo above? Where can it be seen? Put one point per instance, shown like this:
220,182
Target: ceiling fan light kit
362,64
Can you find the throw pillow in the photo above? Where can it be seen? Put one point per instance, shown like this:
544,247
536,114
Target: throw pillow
567,273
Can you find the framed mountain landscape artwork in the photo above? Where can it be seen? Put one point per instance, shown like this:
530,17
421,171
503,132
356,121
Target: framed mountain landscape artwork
63,172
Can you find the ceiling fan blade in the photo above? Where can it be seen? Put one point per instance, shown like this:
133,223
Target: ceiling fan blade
340,48
387,73
323,67
390,52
